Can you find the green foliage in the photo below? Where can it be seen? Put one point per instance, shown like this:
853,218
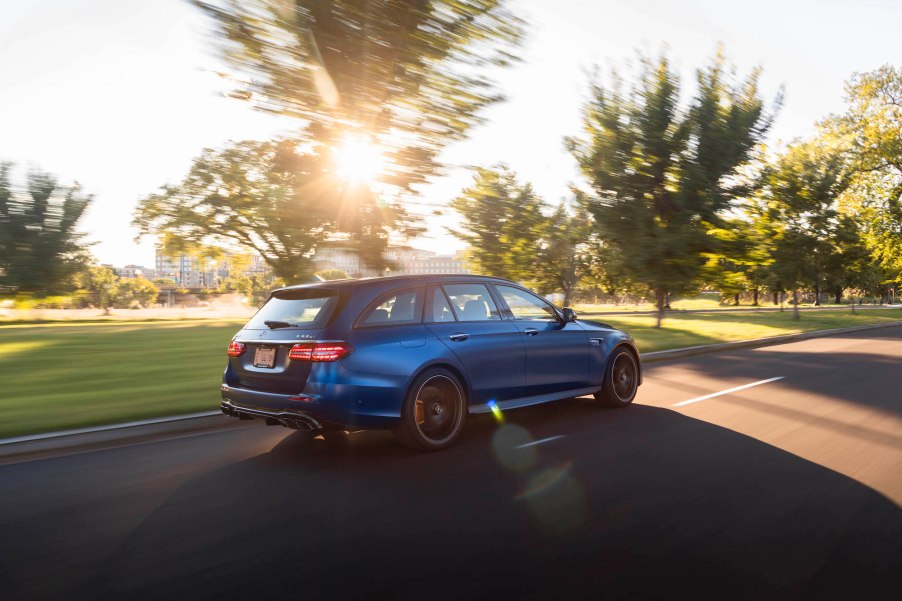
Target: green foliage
332,274
100,284
256,288
40,248
563,252
664,177
801,190
502,222
135,292
742,257
412,76
105,290
268,197
874,122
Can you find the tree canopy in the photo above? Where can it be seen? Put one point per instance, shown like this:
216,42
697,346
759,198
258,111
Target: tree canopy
274,199
502,222
664,176
413,76
40,246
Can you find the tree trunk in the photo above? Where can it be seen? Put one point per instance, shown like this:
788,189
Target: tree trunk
755,297
795,303
736,300
837,293
776,297
782,296
660,298
817,296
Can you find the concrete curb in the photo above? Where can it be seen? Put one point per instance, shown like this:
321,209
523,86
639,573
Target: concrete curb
50,444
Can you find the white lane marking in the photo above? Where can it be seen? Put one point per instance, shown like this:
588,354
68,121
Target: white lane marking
723,392
540,441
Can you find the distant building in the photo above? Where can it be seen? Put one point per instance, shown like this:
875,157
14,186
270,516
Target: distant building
403,260
134,271
186,271
412,261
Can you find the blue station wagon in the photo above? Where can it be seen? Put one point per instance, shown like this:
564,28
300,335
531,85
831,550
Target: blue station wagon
417,354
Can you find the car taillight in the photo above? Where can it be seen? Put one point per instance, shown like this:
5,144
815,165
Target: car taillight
319,351
236,349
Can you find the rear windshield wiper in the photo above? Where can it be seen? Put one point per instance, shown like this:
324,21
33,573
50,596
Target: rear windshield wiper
276,324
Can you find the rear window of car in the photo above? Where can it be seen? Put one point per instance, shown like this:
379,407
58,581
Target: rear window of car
305,309
402,307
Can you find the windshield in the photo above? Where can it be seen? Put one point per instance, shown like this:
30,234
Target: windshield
295,309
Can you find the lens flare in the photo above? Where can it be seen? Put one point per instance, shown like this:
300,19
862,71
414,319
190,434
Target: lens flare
496,411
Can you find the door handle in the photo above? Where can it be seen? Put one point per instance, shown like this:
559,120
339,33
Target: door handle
459,337
531,331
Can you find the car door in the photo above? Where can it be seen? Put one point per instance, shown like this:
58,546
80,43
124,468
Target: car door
466,318
557,354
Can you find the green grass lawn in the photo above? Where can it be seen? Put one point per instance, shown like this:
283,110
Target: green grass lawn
681,330
61,376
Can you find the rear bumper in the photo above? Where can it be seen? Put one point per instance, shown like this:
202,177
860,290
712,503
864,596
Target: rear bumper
306,411
297,420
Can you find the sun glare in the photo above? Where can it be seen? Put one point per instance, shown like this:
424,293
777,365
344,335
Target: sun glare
358,160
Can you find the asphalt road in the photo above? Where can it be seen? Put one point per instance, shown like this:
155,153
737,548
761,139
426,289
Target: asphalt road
786,489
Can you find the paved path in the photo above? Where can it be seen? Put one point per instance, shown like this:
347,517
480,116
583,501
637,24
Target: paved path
787,487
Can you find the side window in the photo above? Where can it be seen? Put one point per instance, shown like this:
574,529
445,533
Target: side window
397,308
525,305
437,307
472,302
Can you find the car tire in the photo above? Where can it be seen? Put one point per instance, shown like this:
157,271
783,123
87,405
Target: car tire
621,380
433,412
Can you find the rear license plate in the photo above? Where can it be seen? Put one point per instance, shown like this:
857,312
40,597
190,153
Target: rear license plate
264,357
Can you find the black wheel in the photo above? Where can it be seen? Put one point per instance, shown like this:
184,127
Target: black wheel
433,412
621,380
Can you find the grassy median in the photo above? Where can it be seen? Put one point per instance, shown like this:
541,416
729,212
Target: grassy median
59,376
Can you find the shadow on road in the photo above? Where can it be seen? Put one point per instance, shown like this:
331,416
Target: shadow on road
643,502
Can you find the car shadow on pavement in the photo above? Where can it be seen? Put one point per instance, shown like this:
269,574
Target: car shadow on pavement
636,503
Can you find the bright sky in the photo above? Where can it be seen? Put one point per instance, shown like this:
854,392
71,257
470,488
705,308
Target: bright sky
119,95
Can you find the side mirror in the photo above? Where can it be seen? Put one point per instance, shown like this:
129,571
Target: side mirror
568,314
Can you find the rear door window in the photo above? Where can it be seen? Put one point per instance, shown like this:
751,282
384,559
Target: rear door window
304,309
438,309
472,302
403,307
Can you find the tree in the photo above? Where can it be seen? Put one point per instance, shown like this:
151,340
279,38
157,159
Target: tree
563,252
40,247
410,77
138,292
801,193
268,197
100,284
740,259
663,177
256,288
874,123
502,222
